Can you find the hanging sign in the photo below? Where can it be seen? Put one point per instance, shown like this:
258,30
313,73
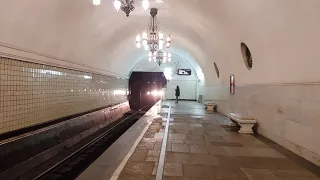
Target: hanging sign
186,72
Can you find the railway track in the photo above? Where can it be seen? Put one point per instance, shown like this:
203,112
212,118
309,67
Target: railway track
73,164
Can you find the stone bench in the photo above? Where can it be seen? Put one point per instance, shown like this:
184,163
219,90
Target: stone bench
210,106
246,123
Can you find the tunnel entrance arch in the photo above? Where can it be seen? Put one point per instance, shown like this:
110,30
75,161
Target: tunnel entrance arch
189,83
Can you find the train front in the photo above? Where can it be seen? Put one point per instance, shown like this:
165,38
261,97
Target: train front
146,89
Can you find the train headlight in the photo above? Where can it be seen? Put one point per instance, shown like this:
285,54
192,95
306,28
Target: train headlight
154,93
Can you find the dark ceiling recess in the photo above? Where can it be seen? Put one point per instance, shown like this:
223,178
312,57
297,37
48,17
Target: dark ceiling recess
217,70
246,55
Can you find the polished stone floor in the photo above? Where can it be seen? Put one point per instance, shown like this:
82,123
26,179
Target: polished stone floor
198,148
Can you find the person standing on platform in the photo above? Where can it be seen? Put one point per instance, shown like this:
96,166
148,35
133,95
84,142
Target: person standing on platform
177,93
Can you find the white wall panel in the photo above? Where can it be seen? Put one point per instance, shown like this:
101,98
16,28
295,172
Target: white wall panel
288,114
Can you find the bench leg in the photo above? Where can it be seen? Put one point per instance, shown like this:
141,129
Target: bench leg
246,128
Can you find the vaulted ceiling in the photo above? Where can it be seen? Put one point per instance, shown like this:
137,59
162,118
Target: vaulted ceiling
282,35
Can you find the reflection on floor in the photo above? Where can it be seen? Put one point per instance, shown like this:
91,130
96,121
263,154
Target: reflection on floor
199,148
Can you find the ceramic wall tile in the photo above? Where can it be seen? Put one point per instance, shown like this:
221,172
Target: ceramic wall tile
33,93
279,125
310,113
312,92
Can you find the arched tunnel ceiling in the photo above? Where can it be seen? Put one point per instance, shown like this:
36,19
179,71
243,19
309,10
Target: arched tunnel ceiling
282,35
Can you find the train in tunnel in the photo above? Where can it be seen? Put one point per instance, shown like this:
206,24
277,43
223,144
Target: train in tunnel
145,89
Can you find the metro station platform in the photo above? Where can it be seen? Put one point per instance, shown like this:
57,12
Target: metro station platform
182,142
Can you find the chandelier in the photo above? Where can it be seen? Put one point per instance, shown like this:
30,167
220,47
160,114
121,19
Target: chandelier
159,57
127,5
154,40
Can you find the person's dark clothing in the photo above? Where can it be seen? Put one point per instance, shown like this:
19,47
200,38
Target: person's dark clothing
177,93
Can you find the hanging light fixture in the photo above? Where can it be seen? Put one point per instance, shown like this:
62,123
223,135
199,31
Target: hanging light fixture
96,2
153,40
125,5
159,57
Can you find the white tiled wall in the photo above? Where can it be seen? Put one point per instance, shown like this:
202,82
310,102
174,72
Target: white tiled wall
287,114
33,93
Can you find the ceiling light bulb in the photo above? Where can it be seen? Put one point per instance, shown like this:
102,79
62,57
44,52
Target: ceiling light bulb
146,48
164,60
145,4
160,44
160,35
158,1
169,55
165,54
144,42
138,38
168,45
96,2
117,5
138,41
149,58
168,38
169,59
150,54
144,35
155,53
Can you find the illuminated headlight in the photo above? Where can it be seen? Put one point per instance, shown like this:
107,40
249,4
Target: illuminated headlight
155,93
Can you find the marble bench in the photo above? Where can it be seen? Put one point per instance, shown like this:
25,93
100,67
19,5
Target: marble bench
246,123
210,106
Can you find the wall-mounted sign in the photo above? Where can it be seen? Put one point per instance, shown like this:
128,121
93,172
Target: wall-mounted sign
184,72
232,84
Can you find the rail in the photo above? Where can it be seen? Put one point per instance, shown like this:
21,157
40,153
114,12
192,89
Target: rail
84,148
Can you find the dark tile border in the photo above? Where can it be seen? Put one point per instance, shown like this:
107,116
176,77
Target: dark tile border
290,155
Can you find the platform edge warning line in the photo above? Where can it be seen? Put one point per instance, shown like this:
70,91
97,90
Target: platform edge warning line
163,148
117,172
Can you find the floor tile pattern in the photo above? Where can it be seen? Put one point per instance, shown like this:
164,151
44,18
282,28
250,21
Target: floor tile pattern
198,148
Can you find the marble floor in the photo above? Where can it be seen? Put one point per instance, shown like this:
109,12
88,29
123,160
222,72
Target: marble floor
198,148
